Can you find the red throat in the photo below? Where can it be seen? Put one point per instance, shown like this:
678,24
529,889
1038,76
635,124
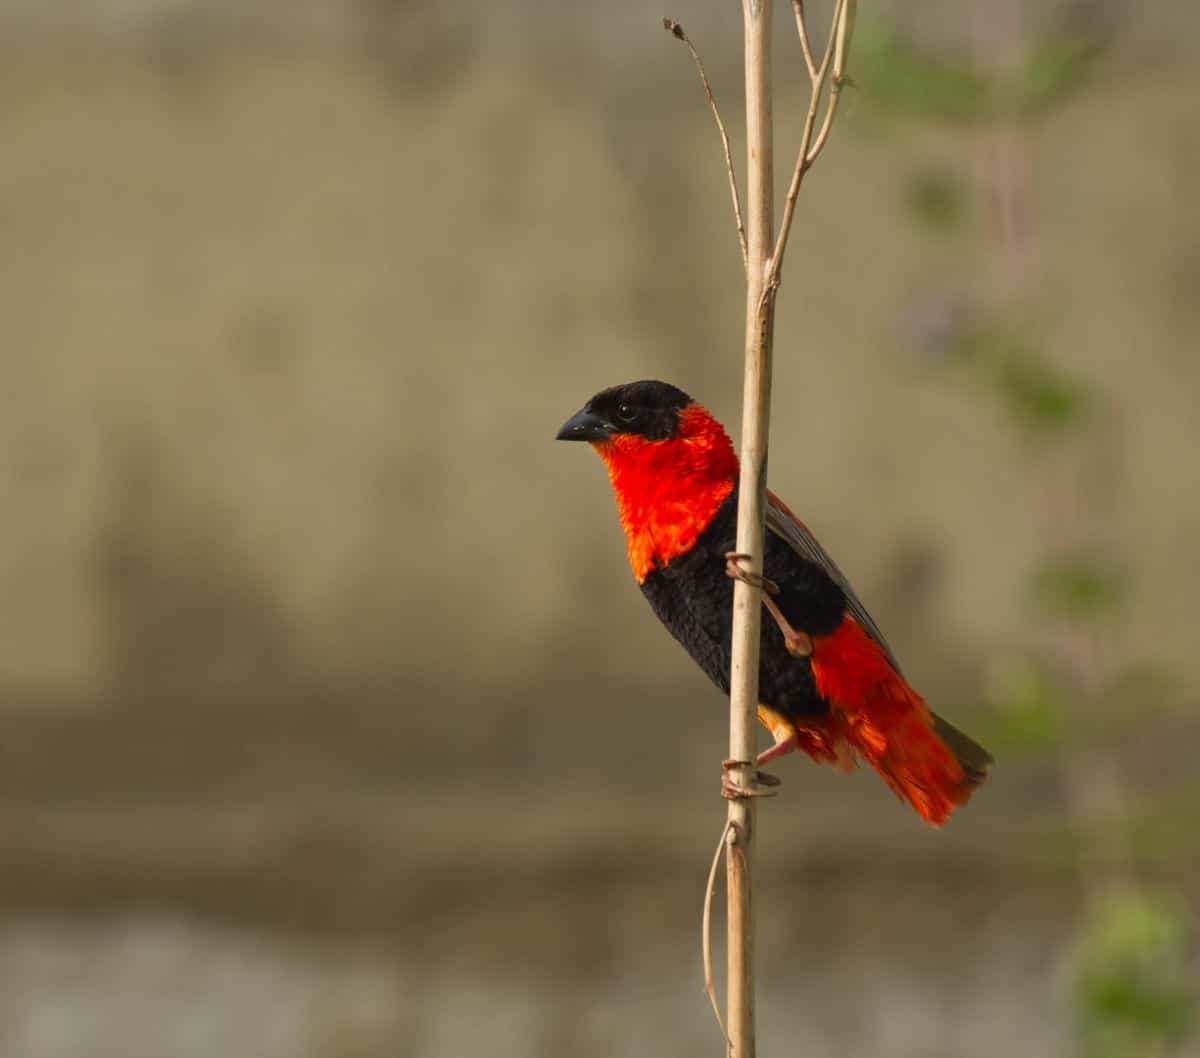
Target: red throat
668,491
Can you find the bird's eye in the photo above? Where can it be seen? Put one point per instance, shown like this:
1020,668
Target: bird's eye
626,412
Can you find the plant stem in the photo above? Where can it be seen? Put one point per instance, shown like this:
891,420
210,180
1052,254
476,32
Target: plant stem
747,610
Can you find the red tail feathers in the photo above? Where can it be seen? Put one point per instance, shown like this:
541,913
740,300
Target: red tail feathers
926,762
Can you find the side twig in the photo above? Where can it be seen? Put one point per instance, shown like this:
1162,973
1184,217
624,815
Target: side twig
802,29
835,54
676,30
710,988
843,28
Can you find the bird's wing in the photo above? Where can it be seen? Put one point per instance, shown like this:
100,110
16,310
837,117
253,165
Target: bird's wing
784,524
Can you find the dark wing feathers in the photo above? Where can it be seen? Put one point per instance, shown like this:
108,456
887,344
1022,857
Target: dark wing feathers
972,757
795,534
974,760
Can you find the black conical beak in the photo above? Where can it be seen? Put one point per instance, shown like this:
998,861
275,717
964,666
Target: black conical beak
584,426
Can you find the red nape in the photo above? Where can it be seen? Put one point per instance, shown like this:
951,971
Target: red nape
668,491
887,722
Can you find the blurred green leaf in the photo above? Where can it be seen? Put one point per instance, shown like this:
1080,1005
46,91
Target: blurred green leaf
936,199
1158,829
1027,709
1054,68
1076,587
900,81
1039,395
1134,989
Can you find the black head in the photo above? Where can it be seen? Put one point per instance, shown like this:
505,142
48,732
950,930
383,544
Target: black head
649,409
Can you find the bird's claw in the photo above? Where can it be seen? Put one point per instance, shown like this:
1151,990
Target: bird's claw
734,568
732,790
798,644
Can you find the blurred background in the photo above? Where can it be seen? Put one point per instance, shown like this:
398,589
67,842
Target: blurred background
332,724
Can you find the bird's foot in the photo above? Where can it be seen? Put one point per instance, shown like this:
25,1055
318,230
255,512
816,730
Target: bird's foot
799,644
735,568
785,745
732,790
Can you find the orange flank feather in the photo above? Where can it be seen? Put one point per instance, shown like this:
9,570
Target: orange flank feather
668,491
885,720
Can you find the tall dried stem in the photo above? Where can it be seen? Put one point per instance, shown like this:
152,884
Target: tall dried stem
762,249
765,249
756,410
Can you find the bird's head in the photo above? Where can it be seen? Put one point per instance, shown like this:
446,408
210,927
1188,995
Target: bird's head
655,431
670,463
648,411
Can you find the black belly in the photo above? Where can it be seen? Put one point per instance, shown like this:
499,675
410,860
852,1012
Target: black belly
693,597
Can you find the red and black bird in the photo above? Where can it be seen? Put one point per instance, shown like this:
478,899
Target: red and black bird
829,683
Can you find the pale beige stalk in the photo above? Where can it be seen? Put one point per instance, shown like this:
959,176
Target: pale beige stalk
747,611
762,251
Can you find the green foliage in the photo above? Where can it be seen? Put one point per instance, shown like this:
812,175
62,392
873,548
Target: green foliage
1076,587
1027,705
1054,68
1134,990
902,81
1039,395
1135,996
1027,709
936,200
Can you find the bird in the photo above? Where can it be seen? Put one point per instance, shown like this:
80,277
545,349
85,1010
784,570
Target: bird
829,684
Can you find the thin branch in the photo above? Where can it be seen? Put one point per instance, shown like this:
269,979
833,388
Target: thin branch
839,39
710,989
843,28
676,30
802,29
835,92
